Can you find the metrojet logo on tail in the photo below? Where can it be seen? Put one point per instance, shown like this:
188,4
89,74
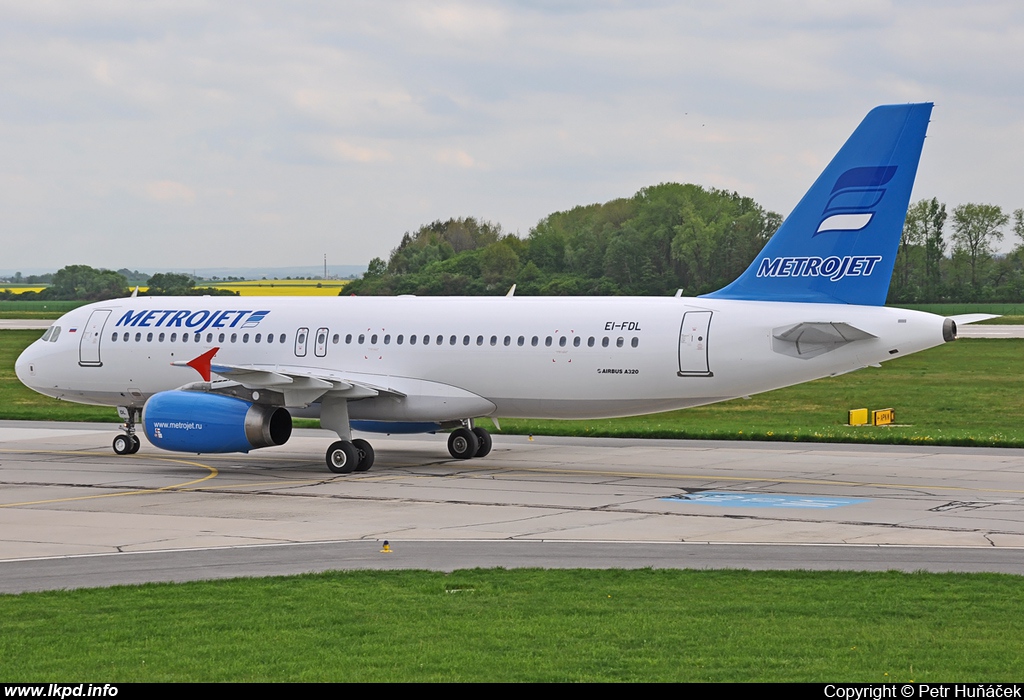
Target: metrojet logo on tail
833,267
855,198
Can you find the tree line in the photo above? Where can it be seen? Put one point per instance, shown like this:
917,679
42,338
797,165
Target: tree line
950,258
85,283
674,236
664,238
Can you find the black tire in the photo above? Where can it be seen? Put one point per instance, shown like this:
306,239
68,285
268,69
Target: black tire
136,444
342,457
463,444
122,445
365,455
485,442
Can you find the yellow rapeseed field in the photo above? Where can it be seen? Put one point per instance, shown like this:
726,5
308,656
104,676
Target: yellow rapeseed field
253,288
280,288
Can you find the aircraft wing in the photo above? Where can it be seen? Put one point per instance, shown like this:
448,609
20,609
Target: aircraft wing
303,385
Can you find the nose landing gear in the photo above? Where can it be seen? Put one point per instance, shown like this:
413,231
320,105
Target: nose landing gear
129,443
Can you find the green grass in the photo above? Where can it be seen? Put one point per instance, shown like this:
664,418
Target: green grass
962,393
526,625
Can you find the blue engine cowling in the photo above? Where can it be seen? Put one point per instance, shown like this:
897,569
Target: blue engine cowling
193,421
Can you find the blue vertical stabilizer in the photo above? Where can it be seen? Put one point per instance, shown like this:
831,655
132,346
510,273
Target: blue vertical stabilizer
839,245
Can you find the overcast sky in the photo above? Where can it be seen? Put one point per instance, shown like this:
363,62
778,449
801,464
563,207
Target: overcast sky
186,133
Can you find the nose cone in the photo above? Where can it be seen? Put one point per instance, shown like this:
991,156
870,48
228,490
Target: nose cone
27,366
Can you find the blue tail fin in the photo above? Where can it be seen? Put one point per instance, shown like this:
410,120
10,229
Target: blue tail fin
839,244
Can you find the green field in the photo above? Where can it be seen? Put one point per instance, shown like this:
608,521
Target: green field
526,625
962,393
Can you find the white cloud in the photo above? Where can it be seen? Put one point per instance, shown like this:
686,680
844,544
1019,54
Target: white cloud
170,191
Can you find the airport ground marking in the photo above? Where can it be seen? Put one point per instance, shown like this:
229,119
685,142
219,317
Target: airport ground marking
493,472
137,492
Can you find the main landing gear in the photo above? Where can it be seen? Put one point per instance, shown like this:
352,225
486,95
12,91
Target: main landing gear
344,457
347,456
467,443
129,443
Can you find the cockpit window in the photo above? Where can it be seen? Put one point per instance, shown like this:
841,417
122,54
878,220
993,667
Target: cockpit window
56,332
47,334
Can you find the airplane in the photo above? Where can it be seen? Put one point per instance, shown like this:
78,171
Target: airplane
810,305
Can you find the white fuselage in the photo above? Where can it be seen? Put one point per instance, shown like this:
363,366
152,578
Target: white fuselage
551,357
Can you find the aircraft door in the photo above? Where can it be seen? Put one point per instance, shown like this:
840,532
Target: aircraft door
301,336
693,344
89,345
321,342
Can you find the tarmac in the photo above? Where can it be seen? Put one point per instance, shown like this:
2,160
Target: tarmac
74,514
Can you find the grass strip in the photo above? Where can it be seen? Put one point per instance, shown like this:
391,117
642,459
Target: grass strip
526,625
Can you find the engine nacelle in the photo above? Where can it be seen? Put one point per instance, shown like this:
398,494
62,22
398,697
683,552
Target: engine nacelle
193,421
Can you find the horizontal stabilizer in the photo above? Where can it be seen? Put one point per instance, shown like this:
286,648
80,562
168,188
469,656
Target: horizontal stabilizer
807,340
967,319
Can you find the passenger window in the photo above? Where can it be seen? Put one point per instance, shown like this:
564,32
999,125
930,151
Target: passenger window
387,339
184,337
198,337
220,338
534,341
479,340
619,342
373,339
234,337
113,337
440,340
258,337
270,337
361,338
282,338
590,342
348,339
634,342
245,337
451,341
561,342
335,339
412,339
161,338
209,337
508,340
465,340
547,341
399,339
149,337
174,337
576,342
521,341
125,337
604,342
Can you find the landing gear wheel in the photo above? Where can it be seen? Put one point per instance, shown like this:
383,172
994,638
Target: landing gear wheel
463,444
342,457
485,442
136,444
123,445
365,455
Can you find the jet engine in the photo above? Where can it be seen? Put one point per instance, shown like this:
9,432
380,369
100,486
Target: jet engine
193,421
